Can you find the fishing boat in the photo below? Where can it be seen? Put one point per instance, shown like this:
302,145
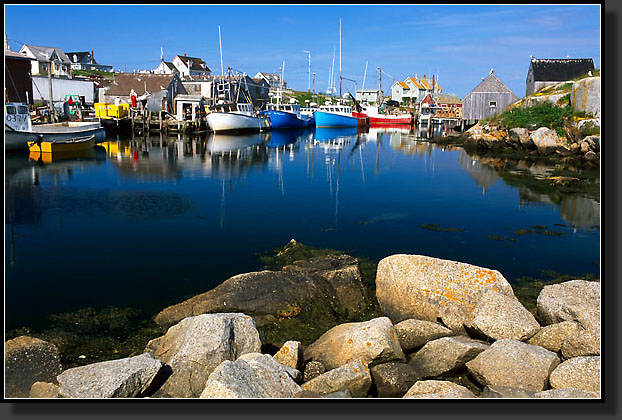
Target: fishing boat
19,129
336,116
236,117
77,144
377,117
287,116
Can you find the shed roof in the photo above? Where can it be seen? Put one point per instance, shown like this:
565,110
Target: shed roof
560,69
449,99
124,82
16,55
492,84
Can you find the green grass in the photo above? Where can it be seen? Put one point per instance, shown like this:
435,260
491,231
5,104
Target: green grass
540,115
106,74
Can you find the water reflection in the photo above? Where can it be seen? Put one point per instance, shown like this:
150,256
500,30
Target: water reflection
534,182
221,199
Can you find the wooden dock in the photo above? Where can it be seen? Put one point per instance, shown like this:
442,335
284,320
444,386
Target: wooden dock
142,120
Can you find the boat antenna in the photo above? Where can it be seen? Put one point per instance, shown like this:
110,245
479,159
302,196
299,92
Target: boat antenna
364,76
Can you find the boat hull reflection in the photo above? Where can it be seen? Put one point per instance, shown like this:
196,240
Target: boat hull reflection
224,143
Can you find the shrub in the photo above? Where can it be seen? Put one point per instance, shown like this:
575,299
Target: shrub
541,115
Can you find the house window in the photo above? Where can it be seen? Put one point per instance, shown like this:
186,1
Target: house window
493,104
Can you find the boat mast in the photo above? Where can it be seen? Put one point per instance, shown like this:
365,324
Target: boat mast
364,76
340,79
222,69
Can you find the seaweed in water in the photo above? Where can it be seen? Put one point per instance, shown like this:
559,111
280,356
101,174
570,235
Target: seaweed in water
437,228
89,335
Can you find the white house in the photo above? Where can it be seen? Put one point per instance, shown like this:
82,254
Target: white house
367,95
165,67
61,64
84,60
273,79
190,66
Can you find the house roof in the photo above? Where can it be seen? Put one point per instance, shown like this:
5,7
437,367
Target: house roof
559,70
13,54
82,56
449,99
124,82
269,76
44,53
403,85
194,63
492,84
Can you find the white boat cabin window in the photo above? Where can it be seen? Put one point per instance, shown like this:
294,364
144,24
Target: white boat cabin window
10,109
23,110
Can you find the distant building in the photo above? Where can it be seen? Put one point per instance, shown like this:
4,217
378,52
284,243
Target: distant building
162,89
415,89
548,71
61,64
489,98
273,80
166,67
17,83
451,106
85,61
370,96
190,66
399,91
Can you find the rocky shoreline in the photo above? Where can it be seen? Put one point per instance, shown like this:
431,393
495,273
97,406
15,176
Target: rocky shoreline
434,329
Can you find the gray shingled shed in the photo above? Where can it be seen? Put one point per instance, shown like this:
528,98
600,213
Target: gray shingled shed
488,98
548,71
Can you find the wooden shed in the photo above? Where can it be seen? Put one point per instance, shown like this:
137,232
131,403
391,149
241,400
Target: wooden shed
545,72
489,98
17,83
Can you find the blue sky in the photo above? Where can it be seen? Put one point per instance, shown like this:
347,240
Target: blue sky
458,43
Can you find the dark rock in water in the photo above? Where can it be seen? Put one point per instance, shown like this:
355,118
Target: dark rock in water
393,379
29,360
320,293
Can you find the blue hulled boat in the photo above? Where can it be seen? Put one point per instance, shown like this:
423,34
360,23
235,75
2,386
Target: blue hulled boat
335,116
287,116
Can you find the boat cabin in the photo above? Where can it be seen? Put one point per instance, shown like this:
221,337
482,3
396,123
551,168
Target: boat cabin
337,109
290,108
235,108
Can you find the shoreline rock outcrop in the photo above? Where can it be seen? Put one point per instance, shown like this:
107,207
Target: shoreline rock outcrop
443,343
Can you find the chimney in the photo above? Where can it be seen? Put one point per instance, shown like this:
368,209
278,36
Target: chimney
92,59
184,54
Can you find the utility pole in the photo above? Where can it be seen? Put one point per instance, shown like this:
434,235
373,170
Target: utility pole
309,88
379,85
314,83
52,112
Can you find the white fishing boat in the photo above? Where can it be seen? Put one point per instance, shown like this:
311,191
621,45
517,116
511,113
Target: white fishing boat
19,129
235,117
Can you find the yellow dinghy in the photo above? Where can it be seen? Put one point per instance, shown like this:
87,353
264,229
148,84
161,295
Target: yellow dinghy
77,144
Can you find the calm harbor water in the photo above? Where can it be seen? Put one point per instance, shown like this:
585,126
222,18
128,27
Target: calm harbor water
148,222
